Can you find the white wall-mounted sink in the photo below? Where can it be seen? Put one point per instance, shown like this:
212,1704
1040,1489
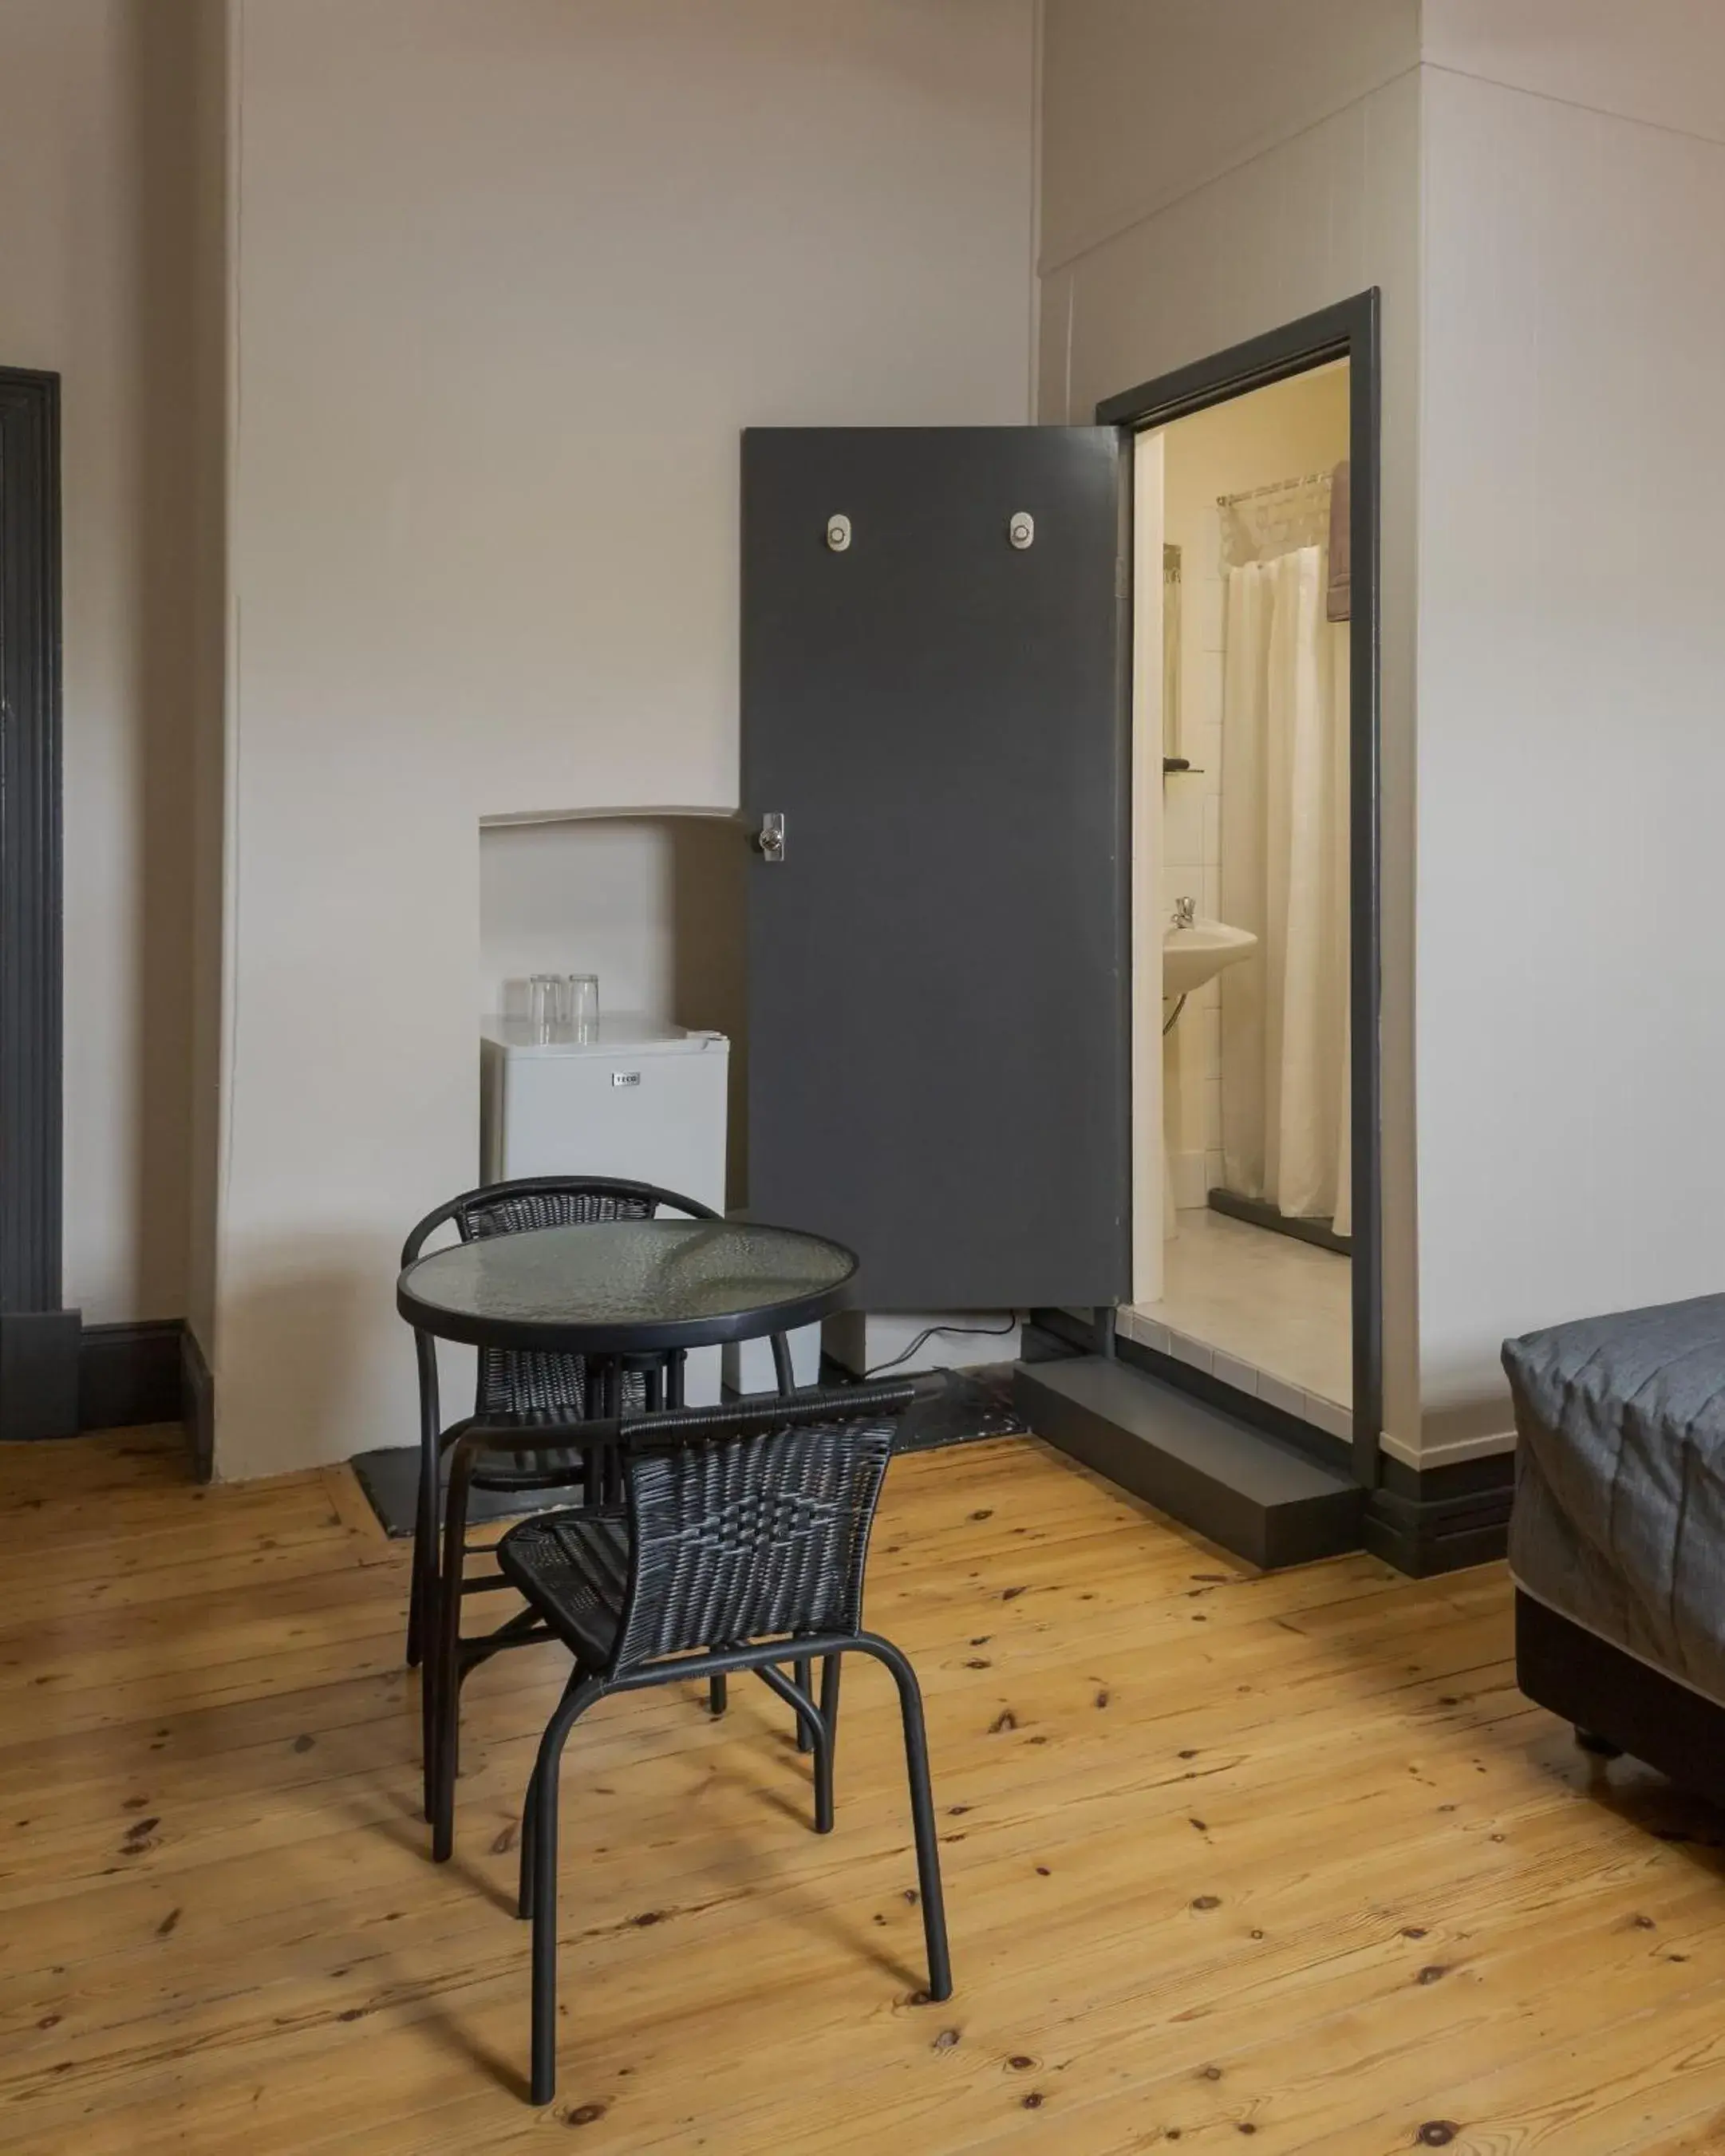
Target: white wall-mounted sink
1192,956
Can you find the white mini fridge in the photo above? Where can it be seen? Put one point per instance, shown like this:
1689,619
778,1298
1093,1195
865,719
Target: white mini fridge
640,1098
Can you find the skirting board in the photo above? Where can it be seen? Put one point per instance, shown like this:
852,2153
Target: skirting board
149,1373
129,1374
152,1372
38,1373
1442,1519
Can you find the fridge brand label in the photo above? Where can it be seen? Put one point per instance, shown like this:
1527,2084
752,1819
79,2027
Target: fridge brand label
625,1077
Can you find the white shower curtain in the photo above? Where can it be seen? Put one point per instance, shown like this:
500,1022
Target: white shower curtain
1284,1014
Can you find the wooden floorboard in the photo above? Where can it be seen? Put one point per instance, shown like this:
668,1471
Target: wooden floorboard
1229,1857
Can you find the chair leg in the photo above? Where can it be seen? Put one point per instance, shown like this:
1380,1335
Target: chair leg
416,1596
718,1690
444,1743
446,1679
529,1825
422,1612
826,1743
786,1380
446,1749
805,1670
814,1719
428,1733
425,1505
580,1694
830,1670
421,1593
928,1859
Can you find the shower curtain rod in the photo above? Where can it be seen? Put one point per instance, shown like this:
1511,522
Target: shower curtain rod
1274,486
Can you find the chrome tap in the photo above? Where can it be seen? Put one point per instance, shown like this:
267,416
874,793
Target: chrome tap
1185,913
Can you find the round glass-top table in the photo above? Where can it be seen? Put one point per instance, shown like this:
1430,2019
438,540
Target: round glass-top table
624,1287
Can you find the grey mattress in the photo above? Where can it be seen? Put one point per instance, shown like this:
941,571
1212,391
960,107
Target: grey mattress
1620,1507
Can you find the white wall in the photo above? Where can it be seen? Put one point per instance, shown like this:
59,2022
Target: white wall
1209,174
1144,100
1662,61
512,277
1571,649
96,175
586,896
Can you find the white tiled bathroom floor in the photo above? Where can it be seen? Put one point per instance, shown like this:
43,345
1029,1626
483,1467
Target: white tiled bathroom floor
1263,1313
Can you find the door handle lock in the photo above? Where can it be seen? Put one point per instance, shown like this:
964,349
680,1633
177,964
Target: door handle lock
769,839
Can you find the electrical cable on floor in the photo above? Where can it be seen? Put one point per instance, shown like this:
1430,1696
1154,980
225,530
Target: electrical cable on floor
928,1332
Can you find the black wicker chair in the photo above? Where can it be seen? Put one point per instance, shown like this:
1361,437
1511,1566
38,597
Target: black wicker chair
740,1545
541,1395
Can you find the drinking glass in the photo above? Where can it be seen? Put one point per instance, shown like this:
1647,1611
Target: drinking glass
547,994
582,1004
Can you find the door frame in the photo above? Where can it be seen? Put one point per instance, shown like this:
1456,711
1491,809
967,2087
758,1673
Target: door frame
38,1339
1349,331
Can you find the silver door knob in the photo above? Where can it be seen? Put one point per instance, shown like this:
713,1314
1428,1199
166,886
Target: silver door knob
769,839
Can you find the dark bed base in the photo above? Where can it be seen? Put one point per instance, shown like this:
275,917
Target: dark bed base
1611,1696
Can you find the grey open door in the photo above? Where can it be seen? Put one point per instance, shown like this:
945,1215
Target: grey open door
936,774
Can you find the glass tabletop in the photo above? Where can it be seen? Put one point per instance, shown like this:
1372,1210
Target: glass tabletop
613,1286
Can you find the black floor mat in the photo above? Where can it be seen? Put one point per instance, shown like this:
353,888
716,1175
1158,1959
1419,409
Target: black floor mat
974,1403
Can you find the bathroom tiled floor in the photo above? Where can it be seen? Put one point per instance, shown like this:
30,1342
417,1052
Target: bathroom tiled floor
1264,1312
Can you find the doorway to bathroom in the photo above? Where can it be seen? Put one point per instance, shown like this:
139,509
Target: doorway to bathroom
1255,875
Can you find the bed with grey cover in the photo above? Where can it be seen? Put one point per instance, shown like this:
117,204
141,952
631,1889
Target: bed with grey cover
1617,1538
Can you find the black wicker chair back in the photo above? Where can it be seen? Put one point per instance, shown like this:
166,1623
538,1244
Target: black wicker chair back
749,1536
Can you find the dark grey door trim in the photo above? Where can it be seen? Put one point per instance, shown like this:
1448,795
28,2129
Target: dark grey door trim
1348,331
39,1341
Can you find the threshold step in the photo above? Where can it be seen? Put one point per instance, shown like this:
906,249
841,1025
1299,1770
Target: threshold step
1252,1493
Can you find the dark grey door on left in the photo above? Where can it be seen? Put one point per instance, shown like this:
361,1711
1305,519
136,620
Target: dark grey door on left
938,963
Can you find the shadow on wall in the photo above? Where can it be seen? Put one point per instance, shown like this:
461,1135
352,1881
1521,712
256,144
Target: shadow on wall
306,1336
158,613
710,865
